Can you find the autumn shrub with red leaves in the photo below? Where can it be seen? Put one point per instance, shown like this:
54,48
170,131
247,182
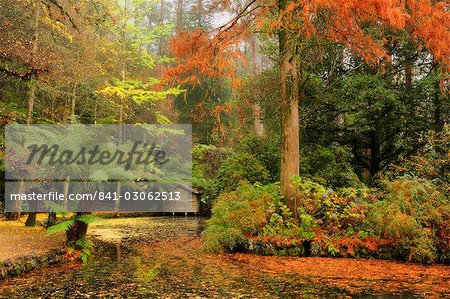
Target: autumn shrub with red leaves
412,220
415,212
406,219
255,218
238,216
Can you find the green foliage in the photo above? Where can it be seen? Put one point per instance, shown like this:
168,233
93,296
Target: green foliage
67,224
282,230
206,161
60,227
263,90
329,165
266,150
240,166
331,208
197,106
238,216
407,219
83,247
139,93
432,161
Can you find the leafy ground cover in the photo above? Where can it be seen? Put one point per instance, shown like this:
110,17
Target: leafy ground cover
165,258
17,240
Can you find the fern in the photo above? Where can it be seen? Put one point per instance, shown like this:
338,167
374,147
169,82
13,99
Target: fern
89,218
66,225
54,207
60,227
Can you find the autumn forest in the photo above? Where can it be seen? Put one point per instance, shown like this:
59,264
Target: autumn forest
320,157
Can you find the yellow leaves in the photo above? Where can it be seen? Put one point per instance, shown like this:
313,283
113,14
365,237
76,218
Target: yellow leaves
58,27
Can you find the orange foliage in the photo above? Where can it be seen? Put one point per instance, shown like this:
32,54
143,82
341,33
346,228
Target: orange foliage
200,56
357,24
216,54
355,276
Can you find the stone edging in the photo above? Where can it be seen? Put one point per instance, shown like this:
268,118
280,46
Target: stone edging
24,264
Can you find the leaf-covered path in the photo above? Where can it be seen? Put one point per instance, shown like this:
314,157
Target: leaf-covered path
17,240
163,258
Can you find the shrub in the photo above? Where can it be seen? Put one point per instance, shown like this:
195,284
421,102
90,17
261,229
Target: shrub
408,219
329,208
330,165
337,217
207,160
238,216
267,152
240,166
412,218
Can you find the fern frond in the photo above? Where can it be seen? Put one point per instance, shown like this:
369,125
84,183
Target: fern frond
60,227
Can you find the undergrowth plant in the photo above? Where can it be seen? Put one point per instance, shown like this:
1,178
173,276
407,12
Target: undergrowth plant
81,248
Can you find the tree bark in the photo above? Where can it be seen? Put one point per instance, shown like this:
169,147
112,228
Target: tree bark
257,121
290,98
258,124
76,232
179,16
438,121
51,220
31,220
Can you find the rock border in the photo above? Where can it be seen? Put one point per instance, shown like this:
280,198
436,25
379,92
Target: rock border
16,266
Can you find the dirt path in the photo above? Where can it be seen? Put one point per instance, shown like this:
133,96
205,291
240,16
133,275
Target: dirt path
16,240
163,258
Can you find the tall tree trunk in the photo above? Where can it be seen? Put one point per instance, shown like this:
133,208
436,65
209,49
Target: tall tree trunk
438,121
161,40
31,220
74,102
290,94
179,16
16,215
257,69
258,124
200,12
52,219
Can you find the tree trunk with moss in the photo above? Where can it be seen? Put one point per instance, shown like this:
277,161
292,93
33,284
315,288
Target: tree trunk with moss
290,97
